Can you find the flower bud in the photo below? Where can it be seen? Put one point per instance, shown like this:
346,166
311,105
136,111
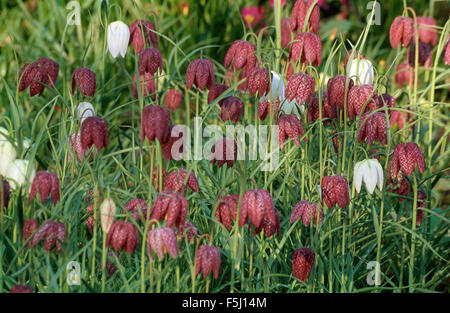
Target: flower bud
107,212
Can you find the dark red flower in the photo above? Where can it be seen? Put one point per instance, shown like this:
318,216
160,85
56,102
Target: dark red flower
424,55
241,53
305,210
173,99
47,183
141,32
50,68
147,83
289,126
207,260
302,262
162,240
155,122
402,30
328,111
265,106
360,100
386,100
21,289
5,193
226,211
94,131
171,206
401,118
257,204
336,90
173,137
232,108
356,55
258,80
90,219
372,127
53,233
33,75
427,30
29,227
111,268
286,32
335,191
308,48
399,187
405,158
403,74
216,92
224,151
244,76
269,227
200,72
301,87
138,207
123,235
447,53
176,181
190,230
84,78
299,13
150,60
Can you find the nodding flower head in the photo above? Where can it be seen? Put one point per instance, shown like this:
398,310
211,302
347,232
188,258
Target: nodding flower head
123,235
162,240
328,110
173,99
171,206
372,127
257,204
241,53
289,126
369,171
337,92
300,87
84,79
299,13
216,92
401,31
150,60
201,73
147,83
207,260
285,32
307,211
176,181
138,207
155,122
427,30
425,56
405,158
302,262
224,151
232,108
142,33
360,100
226,211
258,80
335,191
94,131
37,75
269,228
118,37
53,234
47,183
307,48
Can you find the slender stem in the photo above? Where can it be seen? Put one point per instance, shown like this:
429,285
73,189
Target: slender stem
104,261
413,239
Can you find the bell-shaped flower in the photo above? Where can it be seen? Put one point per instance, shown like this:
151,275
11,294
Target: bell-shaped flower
7,155
17,173
371,172
118,36
361,72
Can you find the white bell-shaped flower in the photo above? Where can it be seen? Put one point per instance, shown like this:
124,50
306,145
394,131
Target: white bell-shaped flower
17,171
361,72
85,110
7,155
118,36
371,172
